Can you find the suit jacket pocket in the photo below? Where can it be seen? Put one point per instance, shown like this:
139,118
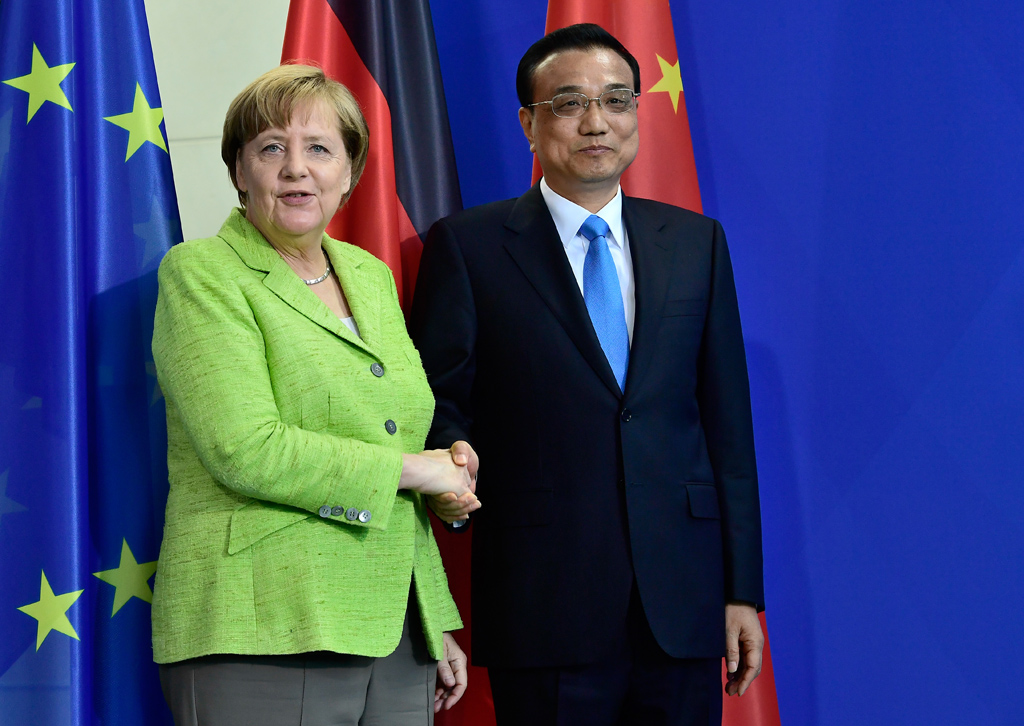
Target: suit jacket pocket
674,308
253,521
703,501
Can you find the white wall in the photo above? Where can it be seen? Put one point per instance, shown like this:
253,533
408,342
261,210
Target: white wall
206,52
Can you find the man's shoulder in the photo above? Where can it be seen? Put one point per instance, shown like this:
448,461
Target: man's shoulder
649,208
483,215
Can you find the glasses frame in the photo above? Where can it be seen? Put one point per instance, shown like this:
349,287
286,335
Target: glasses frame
588,99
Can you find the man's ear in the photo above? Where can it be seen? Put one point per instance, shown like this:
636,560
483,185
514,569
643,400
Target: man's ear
526,119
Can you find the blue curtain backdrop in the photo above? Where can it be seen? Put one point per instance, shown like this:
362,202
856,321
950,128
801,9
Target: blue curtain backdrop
86,211
867,162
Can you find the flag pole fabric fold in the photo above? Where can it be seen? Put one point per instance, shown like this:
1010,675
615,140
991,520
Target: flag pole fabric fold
87,210
664,170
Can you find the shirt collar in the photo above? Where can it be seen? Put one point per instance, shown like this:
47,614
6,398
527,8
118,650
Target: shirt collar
569,216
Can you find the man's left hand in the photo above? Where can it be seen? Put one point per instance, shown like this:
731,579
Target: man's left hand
744,642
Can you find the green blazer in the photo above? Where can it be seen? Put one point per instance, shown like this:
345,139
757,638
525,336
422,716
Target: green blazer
281,425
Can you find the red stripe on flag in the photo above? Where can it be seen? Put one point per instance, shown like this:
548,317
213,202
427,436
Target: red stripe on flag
374,217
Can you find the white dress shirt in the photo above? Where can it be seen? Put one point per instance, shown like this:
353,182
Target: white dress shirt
569,217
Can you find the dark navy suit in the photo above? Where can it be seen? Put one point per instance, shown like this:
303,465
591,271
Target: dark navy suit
587,489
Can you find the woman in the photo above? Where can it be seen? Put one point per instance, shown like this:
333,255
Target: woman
298,577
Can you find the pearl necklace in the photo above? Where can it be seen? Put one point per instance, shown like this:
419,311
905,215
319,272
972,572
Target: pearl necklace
322,277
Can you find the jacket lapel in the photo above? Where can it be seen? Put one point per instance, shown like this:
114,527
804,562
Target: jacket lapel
280,279
537,250
651,252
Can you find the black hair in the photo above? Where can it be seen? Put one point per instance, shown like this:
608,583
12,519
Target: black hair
582,36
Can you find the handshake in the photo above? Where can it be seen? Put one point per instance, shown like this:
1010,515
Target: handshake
446,477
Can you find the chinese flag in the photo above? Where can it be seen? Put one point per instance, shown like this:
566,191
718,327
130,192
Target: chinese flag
384,52
664,170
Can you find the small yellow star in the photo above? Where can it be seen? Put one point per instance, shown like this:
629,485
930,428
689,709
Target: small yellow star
43,84
143,124
130,579
671,81
51,612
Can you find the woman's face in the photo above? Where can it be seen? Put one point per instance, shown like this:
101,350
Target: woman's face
295,177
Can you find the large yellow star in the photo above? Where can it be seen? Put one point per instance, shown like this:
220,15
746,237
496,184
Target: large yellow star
51,612
43,84
130,579
143,124
671,81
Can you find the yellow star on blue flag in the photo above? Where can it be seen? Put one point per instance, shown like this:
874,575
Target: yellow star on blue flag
43,84
142,124
50,612
130,578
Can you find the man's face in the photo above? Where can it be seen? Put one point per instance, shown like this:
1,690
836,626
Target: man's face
582,158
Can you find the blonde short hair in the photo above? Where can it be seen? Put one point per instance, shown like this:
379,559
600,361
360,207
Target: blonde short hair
270,100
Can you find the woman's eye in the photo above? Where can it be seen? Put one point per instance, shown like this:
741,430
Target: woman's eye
271,148
318,149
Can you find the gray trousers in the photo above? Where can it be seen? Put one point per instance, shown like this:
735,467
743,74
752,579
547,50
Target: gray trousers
308,689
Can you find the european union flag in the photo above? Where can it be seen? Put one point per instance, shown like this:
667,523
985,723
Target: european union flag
87,210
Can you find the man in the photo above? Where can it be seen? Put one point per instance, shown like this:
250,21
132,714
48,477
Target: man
596,364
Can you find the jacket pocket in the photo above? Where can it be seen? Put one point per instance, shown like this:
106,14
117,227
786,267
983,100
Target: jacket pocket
703,501
257,519
675,308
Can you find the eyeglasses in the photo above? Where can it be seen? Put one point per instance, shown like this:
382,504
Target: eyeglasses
574,105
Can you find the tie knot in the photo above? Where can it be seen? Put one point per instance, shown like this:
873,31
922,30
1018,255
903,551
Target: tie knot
594,227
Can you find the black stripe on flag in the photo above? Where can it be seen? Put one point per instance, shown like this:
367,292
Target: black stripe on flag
395,39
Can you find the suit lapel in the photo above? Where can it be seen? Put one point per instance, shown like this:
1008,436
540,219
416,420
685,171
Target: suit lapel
537,250
280,279
651,252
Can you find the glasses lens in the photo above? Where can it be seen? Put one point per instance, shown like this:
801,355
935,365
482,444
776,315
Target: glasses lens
569,105
617,101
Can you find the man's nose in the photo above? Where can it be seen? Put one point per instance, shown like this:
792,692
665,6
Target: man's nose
594,119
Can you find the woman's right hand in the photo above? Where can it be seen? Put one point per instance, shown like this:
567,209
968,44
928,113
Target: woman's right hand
449,507
435,473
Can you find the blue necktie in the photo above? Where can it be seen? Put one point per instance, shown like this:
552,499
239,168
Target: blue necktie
603,297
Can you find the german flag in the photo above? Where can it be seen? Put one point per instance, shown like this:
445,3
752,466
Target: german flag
384,52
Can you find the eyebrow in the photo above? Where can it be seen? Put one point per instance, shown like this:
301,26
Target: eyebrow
579,89
277,135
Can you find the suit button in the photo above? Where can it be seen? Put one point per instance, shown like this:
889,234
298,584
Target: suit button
626,414
337,511
352,514
390,426
377,369
325,511
364,516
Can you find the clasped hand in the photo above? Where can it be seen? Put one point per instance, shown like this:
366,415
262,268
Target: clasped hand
446,477
452,506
